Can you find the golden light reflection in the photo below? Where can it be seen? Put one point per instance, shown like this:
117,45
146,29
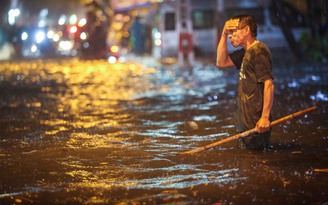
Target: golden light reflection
84,140
81,106
87,93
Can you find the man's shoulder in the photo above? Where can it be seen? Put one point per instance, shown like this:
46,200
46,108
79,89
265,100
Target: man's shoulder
262,45
261,48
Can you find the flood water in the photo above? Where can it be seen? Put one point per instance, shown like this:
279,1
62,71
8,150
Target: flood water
90,132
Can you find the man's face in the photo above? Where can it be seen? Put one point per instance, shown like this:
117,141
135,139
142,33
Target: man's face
236,35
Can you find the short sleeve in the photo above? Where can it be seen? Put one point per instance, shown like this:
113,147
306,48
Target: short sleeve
237,57
263,64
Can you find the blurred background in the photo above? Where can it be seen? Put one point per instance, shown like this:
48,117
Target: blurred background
109,29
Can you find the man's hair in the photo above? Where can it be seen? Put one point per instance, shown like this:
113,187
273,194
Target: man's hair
247,20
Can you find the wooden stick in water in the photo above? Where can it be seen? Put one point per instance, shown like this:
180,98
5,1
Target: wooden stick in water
251,131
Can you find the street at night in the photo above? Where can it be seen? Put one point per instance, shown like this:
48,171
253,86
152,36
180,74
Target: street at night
90,132
164,102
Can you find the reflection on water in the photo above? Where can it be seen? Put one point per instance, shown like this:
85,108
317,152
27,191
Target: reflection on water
93,132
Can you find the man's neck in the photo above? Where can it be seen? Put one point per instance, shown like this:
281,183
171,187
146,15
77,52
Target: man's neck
251,42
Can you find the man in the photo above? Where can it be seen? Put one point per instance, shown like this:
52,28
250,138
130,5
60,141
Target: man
255,85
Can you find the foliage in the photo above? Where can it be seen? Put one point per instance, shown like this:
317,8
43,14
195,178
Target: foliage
316,48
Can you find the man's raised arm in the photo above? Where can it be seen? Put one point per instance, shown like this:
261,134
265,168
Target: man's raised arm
223,59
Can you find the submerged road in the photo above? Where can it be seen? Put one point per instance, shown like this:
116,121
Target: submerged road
90,132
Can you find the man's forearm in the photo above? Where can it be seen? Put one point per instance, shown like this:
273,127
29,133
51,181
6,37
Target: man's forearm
222,52
268,97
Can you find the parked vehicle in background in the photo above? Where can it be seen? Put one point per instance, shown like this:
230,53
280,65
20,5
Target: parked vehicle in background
208,17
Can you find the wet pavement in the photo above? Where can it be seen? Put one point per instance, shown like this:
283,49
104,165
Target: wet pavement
90,132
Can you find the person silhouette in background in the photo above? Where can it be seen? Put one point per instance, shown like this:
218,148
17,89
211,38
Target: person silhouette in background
138,33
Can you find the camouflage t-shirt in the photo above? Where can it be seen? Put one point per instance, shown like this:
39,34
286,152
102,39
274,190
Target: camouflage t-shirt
255,66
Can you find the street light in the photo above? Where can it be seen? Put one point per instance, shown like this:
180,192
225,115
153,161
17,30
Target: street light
12,14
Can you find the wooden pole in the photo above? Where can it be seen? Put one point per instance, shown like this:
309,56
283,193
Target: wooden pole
251,131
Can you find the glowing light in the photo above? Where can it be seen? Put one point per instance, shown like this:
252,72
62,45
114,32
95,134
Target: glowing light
82,22
73,19
111,59
122,59
65,45
114,49
12,14
44,12
50,34
158,35
293,84
62,20
56,38
126,34
24,36
34,48
83,36
86,45
126,18
11,20
320,96
73,29
60,33
40,36
42,23
158,42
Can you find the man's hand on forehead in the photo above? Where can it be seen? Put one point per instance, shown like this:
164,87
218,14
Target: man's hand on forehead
232,24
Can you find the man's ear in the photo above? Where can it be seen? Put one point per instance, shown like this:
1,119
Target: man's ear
247,30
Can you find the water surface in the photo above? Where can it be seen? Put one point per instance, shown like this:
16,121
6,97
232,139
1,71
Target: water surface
89,132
